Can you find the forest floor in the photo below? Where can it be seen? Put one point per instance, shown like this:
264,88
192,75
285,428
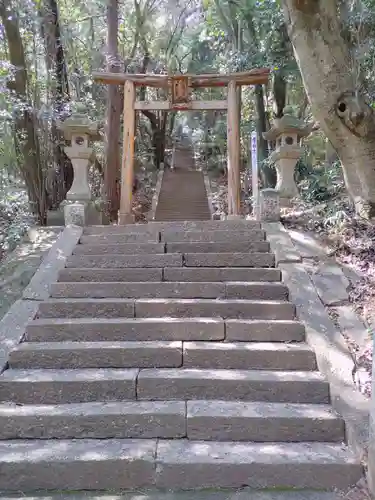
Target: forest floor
347,239
23,245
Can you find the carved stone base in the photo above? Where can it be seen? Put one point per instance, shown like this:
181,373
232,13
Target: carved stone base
75,214
269,205
80,213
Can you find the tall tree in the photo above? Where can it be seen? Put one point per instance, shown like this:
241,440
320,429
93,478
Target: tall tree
112,167
62,170
27,145
332,79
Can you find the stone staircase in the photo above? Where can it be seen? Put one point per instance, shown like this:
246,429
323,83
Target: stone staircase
183,193
168,356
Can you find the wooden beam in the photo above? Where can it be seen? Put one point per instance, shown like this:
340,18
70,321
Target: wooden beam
167,106
147,80
253,77
233,139
127,171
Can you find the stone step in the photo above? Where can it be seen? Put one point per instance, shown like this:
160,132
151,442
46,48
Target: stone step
226,247
201,420
141,229
169,214
71,355
126,249
188,290
170,274
119,260
248,356
73,465
113,238
214,236
100,420
210,308
54,386
156,308
207,225
91,464
163,354
154,228
106,275
125,329
82,308
212,494
242,330
254,259
221,274
233,385
185,247
262,422
148,329
185,464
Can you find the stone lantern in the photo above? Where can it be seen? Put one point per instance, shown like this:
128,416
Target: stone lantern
80,131
287,132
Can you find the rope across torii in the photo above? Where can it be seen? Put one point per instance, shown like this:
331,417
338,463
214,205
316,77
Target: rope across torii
179,99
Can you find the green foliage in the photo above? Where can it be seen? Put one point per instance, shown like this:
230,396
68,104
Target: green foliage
320,183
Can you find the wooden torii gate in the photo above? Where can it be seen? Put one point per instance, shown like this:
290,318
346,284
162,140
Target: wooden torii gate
179,99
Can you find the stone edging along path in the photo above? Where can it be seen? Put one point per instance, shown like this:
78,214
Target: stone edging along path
13,324
312,294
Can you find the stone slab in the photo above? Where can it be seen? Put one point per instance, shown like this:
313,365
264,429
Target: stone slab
256,291
246,385
351,325
209,308
67,386
281,243
201,464
98,420
248,356
264,330
136,229
121,239
331,284
253,259
209,247
334,361
221,274
307,244
126,249
69,355
262,422
206,225
84,464
213,236
121,261
107,275
13,327
124,329
38,288
81,308
217,494
139,290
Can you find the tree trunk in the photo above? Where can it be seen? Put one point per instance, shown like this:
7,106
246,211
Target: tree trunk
279,88
330,76
267,173
55,62
26,140
112,166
